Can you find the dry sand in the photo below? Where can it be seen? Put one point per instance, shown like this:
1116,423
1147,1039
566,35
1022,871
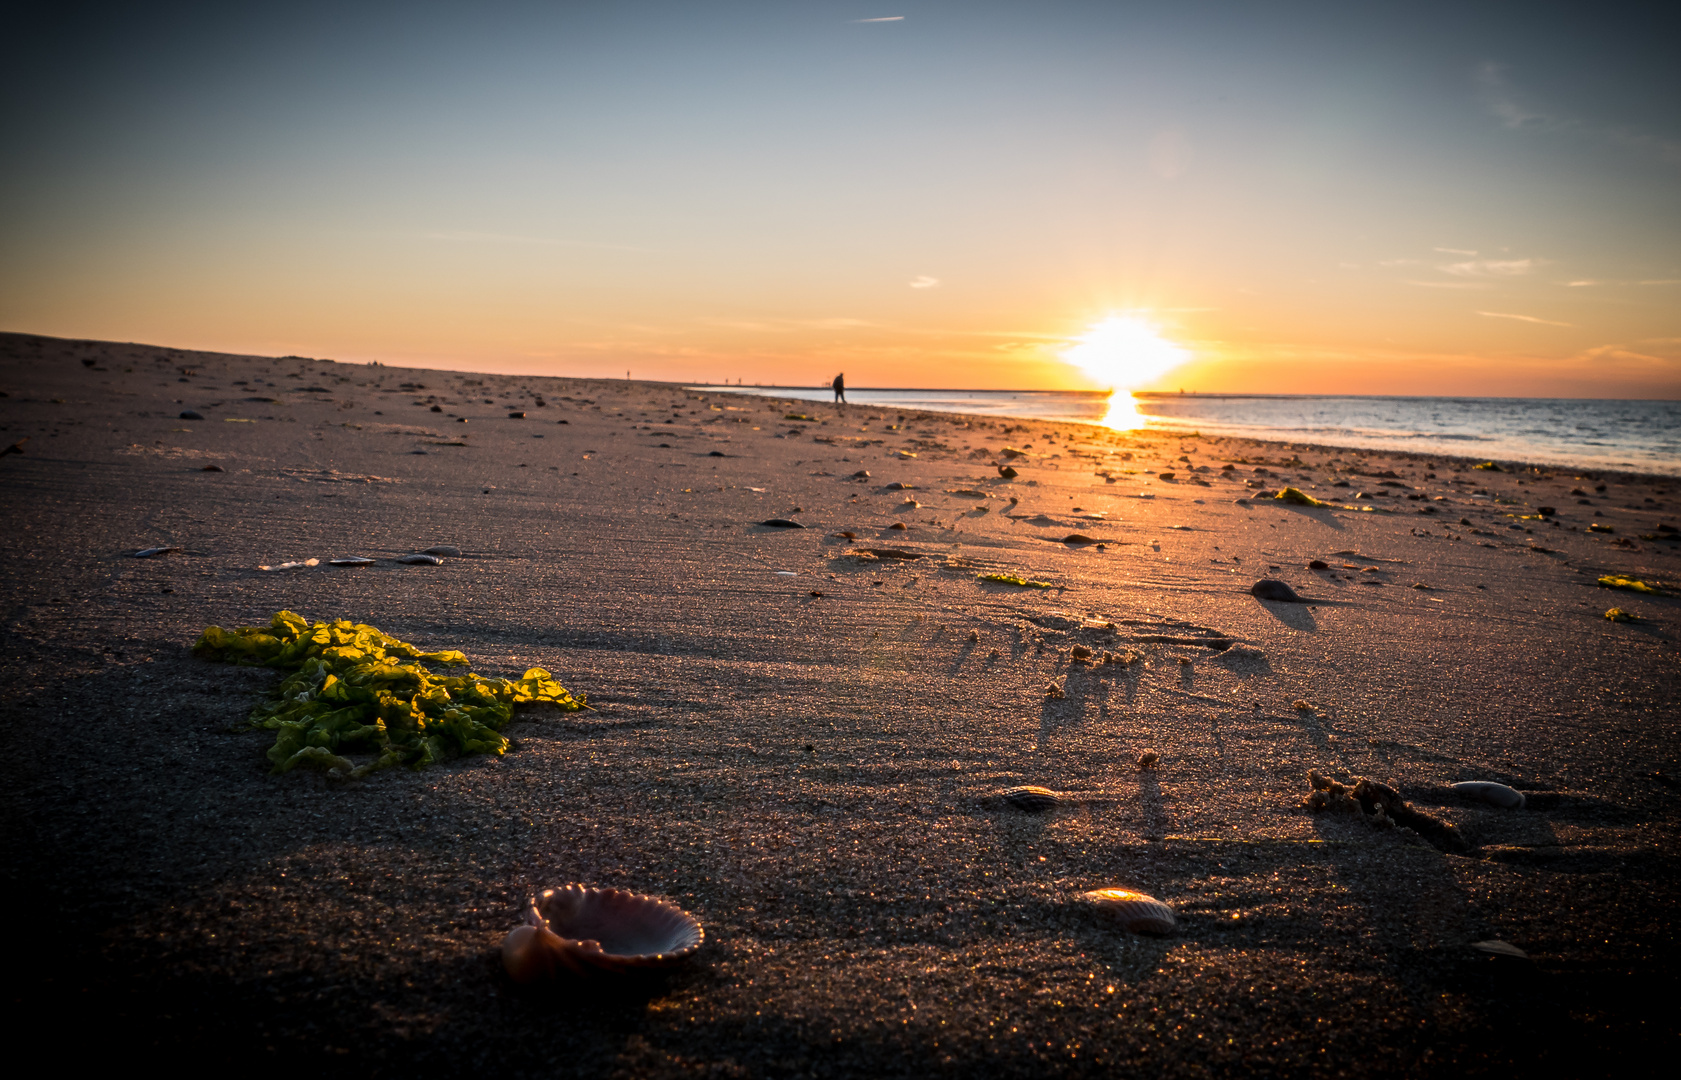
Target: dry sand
808,774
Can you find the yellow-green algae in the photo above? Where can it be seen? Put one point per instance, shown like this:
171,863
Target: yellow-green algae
1298,497
356,688
1012,579
1617,581
1617,614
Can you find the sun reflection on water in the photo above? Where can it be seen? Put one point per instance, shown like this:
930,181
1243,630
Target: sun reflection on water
1123,414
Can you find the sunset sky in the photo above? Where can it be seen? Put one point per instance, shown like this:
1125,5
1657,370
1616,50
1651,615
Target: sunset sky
1297,197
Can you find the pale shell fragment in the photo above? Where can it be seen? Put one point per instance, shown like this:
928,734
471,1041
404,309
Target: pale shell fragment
292,565
1490,792
441,549
1496,947
420,560
1136,911
354,560
1033,799
147,553
577,927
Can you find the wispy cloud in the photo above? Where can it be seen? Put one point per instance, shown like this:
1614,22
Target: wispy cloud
924,282
1504,101
1660,281
469,236
1580,284
1453,251
1450,284
1521,318
884,18
1496,268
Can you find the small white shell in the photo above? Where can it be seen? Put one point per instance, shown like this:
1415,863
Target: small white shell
1138,912
354,560
1496,947
292,565
420,560
1490,792
577,927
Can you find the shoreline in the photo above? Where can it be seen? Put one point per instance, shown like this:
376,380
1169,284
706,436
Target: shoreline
805,749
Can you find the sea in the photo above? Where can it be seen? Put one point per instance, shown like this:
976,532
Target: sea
1632,436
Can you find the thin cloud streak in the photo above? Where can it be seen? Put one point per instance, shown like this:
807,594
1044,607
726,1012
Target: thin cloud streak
1521,318
884,18
924,282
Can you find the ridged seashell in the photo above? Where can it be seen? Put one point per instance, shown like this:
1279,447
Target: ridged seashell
1490,792
147,553
1136,911
420,560
577,927
1035,800
441,549
354,560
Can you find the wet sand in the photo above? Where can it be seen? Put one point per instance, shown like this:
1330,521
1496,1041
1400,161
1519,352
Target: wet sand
808,774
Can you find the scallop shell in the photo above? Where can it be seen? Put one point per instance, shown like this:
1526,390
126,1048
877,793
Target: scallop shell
577,927
420,560
1035,800
1496,947
1136,911
1490,792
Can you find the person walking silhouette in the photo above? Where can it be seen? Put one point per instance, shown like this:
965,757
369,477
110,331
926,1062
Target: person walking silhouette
840,388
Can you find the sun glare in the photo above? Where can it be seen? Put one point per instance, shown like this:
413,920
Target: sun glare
1125,352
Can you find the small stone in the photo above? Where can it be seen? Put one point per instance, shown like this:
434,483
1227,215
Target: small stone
1275,590
781,523
1318,564
1149,759
191,414
1080,652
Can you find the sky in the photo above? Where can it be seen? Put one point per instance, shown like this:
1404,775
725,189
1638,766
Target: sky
1383,198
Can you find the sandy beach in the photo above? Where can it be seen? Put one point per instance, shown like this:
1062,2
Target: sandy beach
801,747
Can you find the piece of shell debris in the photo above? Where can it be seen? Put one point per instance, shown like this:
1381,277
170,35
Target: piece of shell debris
1490,792
1034,800
151,552
1136,911
1149,759
974,635
1496,947
292,565
441,549
353,560
1055,692
1080,652
1303,705
420,560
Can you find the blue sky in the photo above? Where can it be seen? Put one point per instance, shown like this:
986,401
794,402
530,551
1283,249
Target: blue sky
1353,198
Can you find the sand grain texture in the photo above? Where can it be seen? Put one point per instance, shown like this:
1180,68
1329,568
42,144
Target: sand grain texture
807,773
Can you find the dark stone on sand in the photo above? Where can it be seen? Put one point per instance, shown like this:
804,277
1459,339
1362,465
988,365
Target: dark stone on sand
897,525
782,523
892,553
1007,473
1318,564
1273,589
191,414
212,468
712,453
861,474
516,416
437,408
1078,538
1546,511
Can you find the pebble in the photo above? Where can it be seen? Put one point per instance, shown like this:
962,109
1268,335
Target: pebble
420,560
147,553
191,414
441,549
898,525
1273,589
782,523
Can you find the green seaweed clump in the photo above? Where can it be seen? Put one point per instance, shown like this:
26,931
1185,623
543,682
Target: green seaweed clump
1616,581
1489,466
354,688
1617,614
1011,579
800,416
1298,497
